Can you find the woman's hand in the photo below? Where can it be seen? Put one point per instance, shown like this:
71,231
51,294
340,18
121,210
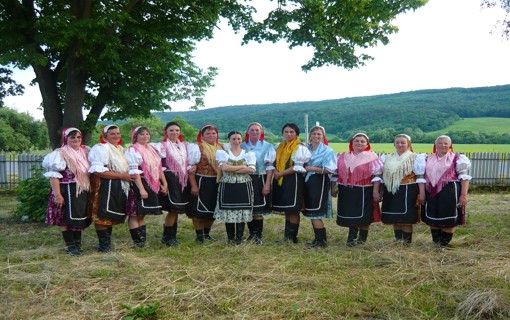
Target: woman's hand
462,200
266,190
194,190
334,191
193,169
277,175
164,189
376,196
59,200
143,194
421,198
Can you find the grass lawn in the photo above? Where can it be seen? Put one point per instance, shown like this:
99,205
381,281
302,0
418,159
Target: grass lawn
380,280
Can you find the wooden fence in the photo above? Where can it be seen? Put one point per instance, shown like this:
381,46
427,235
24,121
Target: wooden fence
488,168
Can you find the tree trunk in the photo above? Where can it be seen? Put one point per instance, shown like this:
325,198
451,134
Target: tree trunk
52,107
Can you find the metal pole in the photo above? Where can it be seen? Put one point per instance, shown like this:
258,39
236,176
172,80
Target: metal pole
306,127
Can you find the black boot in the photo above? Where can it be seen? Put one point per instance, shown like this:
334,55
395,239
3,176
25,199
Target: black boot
105,241
259,226
231,233
363,234
436,235
77,240
399,234
143,234
71,250
200,239
352,236
286,233
169,236
407,237
207,235
252,229
294,229
320,238
136,235
239,233
446,237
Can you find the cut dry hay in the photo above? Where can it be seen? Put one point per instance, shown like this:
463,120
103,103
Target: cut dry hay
484,304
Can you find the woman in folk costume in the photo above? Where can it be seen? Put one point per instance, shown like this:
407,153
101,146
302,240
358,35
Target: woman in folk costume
67,168
318,201
289,182
358,181
145,162
446,190
404,188
261,178
176,156
204,183
235,193
109,184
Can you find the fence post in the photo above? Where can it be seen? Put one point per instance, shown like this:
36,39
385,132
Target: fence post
3,171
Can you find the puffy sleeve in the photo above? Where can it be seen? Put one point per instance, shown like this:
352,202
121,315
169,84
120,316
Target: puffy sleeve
134,160
330,161
221,157
251,159
300,157
54,163
376,168
463,165
383,158
270,157
193,154
160,149
98,157
419,167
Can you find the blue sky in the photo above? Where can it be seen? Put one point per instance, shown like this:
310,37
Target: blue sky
446,43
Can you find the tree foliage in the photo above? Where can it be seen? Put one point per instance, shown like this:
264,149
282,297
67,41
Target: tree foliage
504,23
21,132
119,59
8,87
383,116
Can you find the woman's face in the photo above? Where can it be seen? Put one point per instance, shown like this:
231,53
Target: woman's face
359,143
254,132
401,145
74,140
143,137
443,145
289,134
210,136
316,136
173,132
113,136
235,140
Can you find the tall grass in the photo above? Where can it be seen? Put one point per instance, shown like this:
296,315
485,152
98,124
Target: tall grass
380,280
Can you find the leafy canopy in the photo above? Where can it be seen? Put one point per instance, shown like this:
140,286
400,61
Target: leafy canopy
118,59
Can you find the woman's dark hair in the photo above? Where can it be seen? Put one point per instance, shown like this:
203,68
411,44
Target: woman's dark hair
231,133
293,126
172,123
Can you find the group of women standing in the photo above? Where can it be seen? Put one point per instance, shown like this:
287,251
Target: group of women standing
243,181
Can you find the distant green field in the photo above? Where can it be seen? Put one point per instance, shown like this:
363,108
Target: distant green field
498,125
427,147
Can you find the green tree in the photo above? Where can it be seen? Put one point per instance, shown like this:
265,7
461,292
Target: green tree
504,24
8,87
120,59
19,131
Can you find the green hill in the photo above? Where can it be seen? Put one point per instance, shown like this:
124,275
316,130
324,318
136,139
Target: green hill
421,114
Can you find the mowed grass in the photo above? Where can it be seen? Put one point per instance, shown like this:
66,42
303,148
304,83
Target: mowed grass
427,147
487,124
380,280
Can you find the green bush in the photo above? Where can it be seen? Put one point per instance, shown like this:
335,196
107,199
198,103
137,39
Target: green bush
32,197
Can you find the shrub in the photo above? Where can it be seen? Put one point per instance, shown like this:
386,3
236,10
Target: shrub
32,196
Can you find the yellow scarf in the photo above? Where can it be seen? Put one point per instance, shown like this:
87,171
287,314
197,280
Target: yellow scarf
210,153
283,155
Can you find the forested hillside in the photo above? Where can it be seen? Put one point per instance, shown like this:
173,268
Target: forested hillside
415,112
